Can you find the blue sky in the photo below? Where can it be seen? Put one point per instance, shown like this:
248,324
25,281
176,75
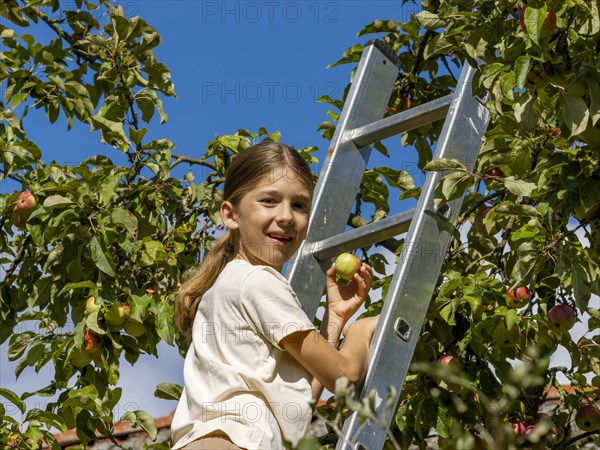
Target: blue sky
235,65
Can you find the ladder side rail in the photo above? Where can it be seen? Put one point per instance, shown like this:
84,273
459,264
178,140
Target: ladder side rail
414,280
342,171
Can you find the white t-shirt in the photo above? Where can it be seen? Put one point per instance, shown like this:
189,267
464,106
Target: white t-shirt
236,376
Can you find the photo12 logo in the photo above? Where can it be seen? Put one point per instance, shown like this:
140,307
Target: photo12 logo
265,91
270,12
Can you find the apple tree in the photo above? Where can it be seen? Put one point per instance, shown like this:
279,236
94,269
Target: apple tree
524,263
92,252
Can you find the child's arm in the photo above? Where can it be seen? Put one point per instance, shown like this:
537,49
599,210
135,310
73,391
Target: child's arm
318,352
324,361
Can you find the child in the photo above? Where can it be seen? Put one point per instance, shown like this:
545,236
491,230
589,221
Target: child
255,361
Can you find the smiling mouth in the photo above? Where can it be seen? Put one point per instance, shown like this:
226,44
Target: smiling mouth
279,238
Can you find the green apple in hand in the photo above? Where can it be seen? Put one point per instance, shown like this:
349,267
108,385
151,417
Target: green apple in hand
346,265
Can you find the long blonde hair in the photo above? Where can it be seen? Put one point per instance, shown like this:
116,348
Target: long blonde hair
246,170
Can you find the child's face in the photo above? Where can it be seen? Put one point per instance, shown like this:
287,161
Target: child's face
271,220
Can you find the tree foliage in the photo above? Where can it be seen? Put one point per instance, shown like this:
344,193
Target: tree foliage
121,229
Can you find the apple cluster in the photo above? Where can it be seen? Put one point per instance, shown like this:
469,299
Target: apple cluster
117,317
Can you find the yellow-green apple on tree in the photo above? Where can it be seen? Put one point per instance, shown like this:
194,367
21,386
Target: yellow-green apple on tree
505,337
134,328
346,265
115,314
80,358
425,352
17,219
91,306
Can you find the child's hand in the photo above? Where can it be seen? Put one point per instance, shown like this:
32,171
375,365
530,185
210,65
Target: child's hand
344,301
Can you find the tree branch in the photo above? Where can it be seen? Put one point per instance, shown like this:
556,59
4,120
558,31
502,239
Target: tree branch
182,158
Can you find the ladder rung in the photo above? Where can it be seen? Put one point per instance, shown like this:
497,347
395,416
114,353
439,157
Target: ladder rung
401,122
362,237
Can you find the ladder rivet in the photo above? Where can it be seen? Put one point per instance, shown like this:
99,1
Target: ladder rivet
403,328
445,211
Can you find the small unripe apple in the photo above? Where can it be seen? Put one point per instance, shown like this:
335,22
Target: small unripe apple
115,314
582,213
495,172
517,298
478,221
134,328
26,203
17,219
91,342
587,418
425,352
505,337
562,318
91,306
80,358
346,265
555,435
491,177
451,360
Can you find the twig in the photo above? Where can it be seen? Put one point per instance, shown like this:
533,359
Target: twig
183,158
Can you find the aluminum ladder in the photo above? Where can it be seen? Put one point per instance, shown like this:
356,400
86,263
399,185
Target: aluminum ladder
360,125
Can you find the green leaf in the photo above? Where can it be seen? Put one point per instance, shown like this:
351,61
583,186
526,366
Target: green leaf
168,391
574,113
126,218
100,258
521,188
80,285
444,164
56,201
524,113
452,186
522,69
143,420
510,209
13,398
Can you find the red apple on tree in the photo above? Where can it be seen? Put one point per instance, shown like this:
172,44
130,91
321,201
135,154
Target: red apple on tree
346,265
562,318
404,102
26,203
517,298
451,360
587,418
91,341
